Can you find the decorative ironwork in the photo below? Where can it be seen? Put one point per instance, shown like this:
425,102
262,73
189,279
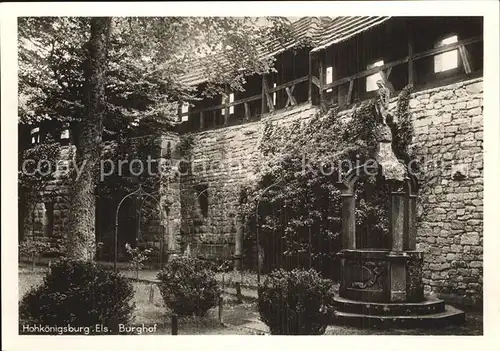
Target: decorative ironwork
139,192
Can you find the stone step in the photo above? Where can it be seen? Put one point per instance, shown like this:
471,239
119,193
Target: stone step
429,306
451,315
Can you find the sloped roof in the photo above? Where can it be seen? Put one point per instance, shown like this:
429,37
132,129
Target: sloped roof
306,28
343,28
321,32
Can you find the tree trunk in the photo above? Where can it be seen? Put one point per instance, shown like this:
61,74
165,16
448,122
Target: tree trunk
81,229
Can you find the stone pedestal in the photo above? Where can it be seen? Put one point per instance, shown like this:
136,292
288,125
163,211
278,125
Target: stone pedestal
383,287
381,275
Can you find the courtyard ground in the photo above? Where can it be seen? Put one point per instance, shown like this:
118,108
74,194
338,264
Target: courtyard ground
242,318
149,313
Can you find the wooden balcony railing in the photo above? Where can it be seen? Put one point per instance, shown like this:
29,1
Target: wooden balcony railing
385,70
251,110
267,104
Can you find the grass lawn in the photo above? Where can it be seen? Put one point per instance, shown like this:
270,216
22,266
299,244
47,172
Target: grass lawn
148,313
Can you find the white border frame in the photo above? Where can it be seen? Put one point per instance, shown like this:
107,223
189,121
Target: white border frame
10,11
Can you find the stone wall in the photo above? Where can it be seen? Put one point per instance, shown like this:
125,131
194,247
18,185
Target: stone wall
449,131
224,159
202,202
448,124
56,196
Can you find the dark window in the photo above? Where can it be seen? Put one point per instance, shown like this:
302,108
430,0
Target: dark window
202,199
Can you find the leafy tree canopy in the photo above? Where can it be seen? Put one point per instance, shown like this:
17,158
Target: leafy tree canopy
147,58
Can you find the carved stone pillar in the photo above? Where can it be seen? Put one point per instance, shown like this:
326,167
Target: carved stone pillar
238,243
397,217
347,187
170,205
410,231
348,220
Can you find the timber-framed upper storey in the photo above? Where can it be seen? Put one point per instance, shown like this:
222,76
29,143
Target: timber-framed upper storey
347,56
340,66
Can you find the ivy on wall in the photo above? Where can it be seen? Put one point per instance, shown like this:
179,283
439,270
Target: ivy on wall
123,166
295,204
36,170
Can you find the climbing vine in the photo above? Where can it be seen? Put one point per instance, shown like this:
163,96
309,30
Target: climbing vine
296,205
36,166
185,146
36,170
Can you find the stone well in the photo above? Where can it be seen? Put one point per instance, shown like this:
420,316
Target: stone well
383,287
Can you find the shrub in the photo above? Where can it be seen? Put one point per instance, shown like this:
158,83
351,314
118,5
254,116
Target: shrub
137,257
188,286
81,295
296,302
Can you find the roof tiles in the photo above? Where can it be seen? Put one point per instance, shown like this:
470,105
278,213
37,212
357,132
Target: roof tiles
321,32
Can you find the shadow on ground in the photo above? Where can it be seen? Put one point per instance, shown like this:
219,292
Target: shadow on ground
237,318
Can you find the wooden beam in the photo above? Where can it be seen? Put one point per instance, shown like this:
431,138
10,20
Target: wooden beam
263,95
226,107
267,96
287,84
387,83
218,107
202,120
179,112
364,73
410,57
291,100
428,53
309,77
247,111
315,81
465,59
388,72
321,79
349,92
446,48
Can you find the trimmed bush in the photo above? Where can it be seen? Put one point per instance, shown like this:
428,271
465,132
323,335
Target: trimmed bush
188,286
80,295
296,302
